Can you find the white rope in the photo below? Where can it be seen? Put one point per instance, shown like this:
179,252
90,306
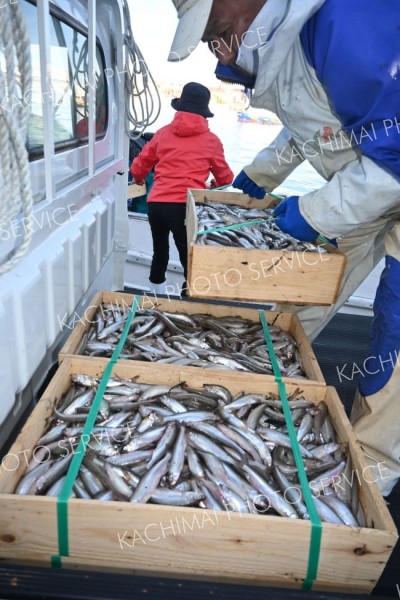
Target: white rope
142,99
15,85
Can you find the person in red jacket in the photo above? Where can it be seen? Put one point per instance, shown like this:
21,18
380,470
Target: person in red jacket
183,154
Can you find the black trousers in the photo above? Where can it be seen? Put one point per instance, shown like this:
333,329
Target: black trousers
166,218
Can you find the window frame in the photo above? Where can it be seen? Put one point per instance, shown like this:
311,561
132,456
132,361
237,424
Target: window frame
59,147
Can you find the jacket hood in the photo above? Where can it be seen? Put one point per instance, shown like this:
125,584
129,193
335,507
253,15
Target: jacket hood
276,28
189,124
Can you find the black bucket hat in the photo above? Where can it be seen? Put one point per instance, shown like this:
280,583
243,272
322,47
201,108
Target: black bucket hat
194,99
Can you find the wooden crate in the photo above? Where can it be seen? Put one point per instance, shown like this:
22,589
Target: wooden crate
136,191
258,275
191,542
286,321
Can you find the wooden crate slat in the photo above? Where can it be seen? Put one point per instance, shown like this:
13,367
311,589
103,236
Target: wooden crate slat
264,275
224,197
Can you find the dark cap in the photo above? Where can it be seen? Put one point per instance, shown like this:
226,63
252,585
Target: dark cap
194,99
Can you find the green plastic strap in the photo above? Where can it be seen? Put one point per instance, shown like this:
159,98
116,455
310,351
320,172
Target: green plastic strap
63,498
236,226
222,187
324,240
316,525
275,196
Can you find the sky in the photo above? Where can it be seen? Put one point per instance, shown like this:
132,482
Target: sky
153,24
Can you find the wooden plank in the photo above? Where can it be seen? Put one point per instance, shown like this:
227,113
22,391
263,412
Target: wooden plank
135,191
118,299
192,541
286,321
233,380
308,358
238,198
264,275
352,560
157,539
28,528
258,275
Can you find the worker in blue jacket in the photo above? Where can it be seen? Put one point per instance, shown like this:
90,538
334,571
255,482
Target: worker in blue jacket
330,70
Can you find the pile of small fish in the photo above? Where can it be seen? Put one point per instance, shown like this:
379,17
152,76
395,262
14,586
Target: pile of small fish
197,340
263,236
195,447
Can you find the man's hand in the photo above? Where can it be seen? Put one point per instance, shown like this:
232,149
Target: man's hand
212,184
133,180
244,183
291,221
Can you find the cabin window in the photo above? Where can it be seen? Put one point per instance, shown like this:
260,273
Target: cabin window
69,69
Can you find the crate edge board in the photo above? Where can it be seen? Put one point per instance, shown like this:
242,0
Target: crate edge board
24,443
275,286
306,351
240,536
225,197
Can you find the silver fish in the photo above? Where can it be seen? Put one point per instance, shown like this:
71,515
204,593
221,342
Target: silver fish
150,481
275,499
340,508
178,457
176,497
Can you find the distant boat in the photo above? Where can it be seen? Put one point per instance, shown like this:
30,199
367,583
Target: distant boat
244,117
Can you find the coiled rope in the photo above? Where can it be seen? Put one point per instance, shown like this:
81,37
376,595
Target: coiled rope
15,85
142,99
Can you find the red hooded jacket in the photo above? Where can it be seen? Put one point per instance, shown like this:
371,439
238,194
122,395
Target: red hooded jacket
183,154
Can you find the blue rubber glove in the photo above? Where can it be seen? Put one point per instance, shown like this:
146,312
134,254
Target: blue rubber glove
291,221
244,183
